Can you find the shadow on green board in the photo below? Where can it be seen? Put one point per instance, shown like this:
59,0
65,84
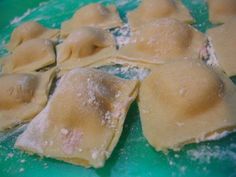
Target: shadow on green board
233,78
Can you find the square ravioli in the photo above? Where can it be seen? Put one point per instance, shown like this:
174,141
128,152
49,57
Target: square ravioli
22,96
30,30
151,10
184,102
84,48
94,15
41,54
159,42
83,120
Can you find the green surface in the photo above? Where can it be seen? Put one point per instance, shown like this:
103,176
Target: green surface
132,156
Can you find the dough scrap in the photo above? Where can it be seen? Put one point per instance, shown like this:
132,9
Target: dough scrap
151,10
221,10
95,15
84,47
23,95
185,101
30,56
83,120
162,41
30,30
223,40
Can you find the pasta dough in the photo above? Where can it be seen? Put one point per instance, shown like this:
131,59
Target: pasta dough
223,40
161,41
30,56
95,15
83,120
151,10
22,96
84,47
30,30
185,101
221,10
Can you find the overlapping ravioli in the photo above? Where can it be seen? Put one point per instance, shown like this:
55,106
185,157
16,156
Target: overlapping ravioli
161,41
30,56
221,10
84,47
185,101
30,30
151,10
223,40
83,120
95,15
22,96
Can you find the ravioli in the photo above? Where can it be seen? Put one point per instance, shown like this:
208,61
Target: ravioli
30,30
151,10
162,41
95,15
83,120
185,101
23,95
32,55
223,40
84,47
221,10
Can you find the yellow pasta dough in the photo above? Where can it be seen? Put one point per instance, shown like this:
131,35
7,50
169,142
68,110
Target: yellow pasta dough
30,30
95,15
83,120
30,56
221,10
162,41
84,47
185,101
22,96
151,10
223,40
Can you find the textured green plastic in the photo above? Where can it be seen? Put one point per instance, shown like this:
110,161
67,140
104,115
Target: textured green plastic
133,156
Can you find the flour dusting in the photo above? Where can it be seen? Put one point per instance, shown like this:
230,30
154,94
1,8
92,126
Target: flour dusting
19,19
127,72
207,154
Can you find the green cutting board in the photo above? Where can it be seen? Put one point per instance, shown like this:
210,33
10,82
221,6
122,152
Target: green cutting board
133,156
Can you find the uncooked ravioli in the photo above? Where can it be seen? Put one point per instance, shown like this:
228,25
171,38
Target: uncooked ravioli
30,30
221,10
84,47
185,101
151,10
83,120
162,41
95,15
23,96
32,55
223,40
